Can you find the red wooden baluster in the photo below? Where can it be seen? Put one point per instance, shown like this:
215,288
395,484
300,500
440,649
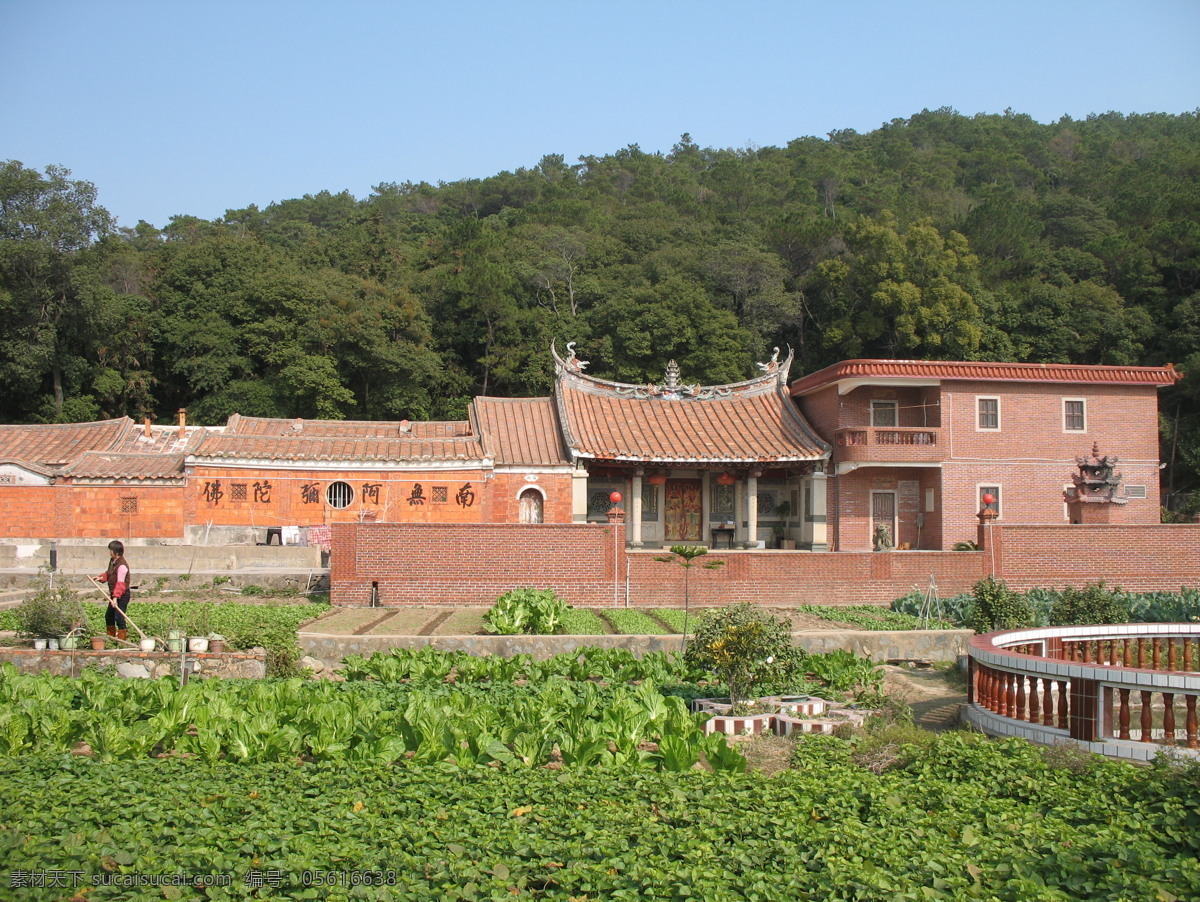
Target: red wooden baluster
1155,654
1062,705
1048,700
1010,694
1123,718
1169,718
1020,681
1187,653
1086,648
1172,664
1146,717
1033,700
1192,740
1125,653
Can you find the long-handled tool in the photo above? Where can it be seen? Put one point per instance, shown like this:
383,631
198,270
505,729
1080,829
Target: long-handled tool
112,603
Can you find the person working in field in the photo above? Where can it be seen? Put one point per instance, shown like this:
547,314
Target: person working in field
118,578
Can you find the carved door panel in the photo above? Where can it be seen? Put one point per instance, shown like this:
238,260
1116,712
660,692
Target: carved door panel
682,509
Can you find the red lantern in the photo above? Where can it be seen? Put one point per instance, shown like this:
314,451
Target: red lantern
989,499
615,497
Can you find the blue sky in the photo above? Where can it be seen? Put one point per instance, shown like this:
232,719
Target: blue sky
174,107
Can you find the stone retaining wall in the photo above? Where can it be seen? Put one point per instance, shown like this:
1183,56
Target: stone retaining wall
881,645
135,663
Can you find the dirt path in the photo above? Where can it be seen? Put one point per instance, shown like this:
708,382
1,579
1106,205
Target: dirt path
937,696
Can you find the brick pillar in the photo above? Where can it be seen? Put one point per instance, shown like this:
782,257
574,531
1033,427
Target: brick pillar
1085,710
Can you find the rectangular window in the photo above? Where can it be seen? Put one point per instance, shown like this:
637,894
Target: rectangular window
649,503
1074,415
722,502
994,492
884,413
989,414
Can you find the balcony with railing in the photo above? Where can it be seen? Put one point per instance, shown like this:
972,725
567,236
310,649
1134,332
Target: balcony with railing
899,444
1124,690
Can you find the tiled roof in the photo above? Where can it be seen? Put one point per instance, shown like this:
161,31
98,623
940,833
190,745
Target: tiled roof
57,445
382,429
320,449
520,431
987,372
111,465
748,422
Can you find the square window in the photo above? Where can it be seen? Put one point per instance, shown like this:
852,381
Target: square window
439,494
988,413
884,413
237,491
129,505
1074,416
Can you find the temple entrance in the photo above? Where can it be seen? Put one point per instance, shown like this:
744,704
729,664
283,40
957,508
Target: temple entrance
682,510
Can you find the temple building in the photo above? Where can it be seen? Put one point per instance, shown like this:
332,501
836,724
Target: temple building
831,461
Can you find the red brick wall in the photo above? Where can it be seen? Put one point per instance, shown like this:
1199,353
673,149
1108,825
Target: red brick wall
28,511
1139,558
83,511
474,563
285,504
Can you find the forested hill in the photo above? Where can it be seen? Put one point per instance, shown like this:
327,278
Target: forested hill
940,236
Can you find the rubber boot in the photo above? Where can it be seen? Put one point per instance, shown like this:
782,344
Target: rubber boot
111,630
121,634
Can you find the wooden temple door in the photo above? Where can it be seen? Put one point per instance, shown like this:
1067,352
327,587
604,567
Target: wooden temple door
682,510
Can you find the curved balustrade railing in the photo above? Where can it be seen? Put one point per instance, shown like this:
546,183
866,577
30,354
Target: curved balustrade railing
1125,690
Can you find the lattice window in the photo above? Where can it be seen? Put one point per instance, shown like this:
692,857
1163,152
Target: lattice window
237,491
8,479
129,504
649,503
598,503
722,502
439,494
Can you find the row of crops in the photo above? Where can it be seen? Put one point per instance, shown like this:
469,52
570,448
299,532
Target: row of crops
961,817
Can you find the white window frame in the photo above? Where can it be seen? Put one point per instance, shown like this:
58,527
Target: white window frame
1066,506
991,484
1065,402
881,404
979,413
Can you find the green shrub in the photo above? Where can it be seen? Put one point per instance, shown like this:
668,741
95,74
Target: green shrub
1092,604
743,645
997,607
50,611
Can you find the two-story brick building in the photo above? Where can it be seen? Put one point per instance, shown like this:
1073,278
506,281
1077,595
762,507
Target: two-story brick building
916,445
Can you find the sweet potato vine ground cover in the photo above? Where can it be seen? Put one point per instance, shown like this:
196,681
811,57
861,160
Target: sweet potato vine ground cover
961,818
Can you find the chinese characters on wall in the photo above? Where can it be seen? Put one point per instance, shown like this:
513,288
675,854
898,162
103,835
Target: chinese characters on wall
260,492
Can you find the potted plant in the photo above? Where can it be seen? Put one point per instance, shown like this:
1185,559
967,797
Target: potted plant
216,643
783,510
146,644
198,631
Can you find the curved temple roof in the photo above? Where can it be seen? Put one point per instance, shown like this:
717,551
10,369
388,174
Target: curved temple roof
742,423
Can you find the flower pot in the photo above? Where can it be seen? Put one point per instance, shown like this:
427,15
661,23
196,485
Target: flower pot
52,644
198,644
216,646
69,643
39,644
175,645
98,643
146,644
174,634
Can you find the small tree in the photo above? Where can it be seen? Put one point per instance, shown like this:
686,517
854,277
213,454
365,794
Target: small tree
743,645
997,607
685,556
